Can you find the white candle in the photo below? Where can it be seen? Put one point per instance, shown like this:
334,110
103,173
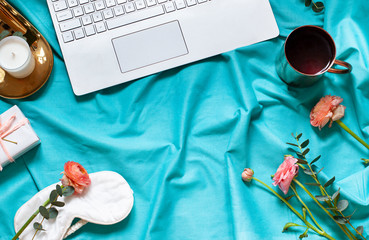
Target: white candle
16,57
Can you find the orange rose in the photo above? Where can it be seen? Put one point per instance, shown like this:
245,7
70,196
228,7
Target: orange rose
75,176
327,109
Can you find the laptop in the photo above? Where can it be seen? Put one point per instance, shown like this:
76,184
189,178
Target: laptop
109,42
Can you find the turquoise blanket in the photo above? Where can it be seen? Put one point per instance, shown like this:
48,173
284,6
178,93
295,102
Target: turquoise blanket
181,138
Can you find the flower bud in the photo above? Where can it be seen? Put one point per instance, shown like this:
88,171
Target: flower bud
247,174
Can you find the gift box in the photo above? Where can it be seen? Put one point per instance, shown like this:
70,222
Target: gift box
16,136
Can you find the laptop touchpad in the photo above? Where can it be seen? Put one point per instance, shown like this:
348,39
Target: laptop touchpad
149,46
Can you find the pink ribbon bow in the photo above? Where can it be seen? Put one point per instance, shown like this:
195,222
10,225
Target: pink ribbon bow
6,129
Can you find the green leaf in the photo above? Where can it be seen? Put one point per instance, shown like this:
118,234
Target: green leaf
318,7
289,197
322,198
341,220
315,160
304,144
309,172
68,190
307,3
330,181
301,161
319,170
292,144
336,194
59,190
38,226
58,204
313,184
360,229
44,212
298,136
299,154
342,205
307,150
352,214
53,213
53,196
288,225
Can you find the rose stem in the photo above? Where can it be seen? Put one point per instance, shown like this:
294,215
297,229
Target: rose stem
342,125
323,233
30,220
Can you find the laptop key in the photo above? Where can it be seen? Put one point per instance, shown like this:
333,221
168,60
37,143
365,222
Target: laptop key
70,24
100,27
72,3
129,7
99,5
86,20
134,17
140,4
89,8
78,11
61,5
191,2
108,13
180,4
118,10
150,3
78,33
90,30
110,3
83,1
97,17
169,7
67,37
65,15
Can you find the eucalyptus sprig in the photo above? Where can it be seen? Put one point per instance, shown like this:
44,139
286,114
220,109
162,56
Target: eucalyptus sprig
50,212
316,6
306,224
328,200
335,207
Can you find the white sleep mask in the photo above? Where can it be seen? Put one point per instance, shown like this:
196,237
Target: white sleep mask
108,200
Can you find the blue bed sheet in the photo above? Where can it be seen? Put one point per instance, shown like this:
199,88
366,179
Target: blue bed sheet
181,138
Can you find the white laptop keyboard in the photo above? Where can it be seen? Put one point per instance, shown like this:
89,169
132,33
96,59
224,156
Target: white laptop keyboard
83,18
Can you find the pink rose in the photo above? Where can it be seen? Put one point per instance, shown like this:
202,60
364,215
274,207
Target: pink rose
76,176
247,175
285,173
328,108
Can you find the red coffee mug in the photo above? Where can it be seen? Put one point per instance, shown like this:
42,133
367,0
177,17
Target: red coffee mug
308,52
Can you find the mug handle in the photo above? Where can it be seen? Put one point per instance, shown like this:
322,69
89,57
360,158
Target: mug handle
343,64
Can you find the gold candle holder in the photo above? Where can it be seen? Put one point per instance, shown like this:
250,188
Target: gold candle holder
14,88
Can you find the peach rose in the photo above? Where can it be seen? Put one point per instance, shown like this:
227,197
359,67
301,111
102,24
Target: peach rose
76,176
327,109
285,173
